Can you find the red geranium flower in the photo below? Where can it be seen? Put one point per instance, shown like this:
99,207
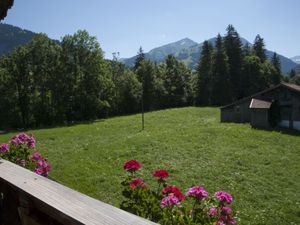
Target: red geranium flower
161,174
173,190
132,165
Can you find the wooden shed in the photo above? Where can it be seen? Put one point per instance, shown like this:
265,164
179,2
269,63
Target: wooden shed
258,109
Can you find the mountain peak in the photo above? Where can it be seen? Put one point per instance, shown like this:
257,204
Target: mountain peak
296,59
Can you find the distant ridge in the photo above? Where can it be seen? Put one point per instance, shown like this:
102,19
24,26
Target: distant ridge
296,59
12,37
189,53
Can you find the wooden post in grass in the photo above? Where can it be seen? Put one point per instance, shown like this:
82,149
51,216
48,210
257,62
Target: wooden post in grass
143,119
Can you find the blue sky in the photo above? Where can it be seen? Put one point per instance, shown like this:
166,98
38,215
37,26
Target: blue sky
124,25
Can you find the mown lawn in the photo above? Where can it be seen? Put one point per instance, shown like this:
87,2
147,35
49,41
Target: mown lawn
260,168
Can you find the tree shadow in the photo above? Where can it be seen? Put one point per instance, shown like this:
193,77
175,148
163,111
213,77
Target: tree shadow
69,124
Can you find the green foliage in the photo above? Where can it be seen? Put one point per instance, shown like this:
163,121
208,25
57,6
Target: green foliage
234,52
220,81
259,48
129,91
253,76
51,83
276,75
175,76
202,96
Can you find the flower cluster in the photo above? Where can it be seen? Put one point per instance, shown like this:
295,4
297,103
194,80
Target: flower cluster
223,197
137,183
132,165
139,199
169,201
223,212
41,165
197,192
162,174
4,147
23,139
19,151
172,190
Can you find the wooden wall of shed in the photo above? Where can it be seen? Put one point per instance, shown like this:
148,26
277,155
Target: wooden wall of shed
260,118
239,113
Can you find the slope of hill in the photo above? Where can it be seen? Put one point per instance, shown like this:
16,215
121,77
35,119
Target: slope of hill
191,53
159,54
260,168
12,37
296,59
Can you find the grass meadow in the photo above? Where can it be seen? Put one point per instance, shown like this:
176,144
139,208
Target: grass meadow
261,169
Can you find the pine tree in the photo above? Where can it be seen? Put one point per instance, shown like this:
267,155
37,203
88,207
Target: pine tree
145,73
203,90
174,82
292,73
220,84
259,48
234,51
139,58
276,76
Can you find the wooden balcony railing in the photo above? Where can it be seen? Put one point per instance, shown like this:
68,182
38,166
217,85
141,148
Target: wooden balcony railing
30,199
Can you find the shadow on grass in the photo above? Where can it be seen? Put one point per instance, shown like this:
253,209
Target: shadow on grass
70,124
281,130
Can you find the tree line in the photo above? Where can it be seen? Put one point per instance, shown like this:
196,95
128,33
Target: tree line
46,82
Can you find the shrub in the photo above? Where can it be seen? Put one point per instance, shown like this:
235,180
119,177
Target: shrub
167,205
22,151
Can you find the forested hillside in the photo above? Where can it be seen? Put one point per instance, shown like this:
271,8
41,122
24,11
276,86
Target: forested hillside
12,37
45,83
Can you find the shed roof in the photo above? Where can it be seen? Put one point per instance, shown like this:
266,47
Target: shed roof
292,87
259,104
4,6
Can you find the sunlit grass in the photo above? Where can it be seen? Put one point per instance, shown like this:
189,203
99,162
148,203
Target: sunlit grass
260,168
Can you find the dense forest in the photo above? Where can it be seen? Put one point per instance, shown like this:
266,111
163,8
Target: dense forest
46,82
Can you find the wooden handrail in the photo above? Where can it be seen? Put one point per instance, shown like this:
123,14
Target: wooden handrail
37,197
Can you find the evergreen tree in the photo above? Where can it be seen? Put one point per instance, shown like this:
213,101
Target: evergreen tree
234,51
203,90
129,91
276,76
259,48
139,58
146,74
292,73
174,82
254,75
220,84
246,50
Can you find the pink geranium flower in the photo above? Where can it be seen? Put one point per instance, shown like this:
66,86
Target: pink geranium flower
36,156
226,210
169,201
138,182
223,197
23,139
4,147
212,211
197,192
